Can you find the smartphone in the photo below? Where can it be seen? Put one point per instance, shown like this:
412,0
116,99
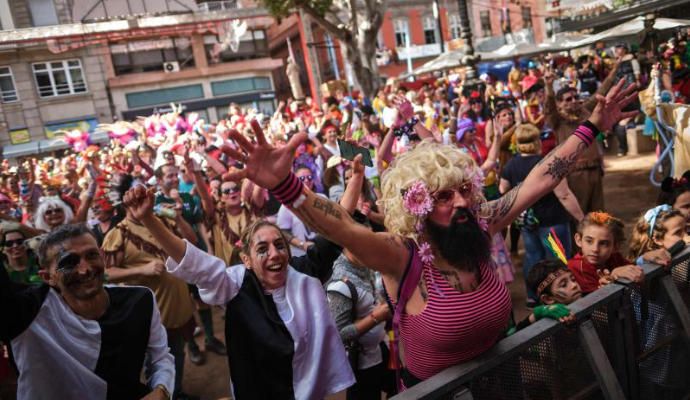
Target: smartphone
348,151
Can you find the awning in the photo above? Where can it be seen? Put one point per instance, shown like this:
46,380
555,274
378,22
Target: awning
43,146
630,28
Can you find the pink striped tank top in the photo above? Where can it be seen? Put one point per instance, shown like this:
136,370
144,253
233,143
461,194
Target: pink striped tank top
454,327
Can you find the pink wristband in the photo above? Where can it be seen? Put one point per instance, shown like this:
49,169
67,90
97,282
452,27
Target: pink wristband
587,132
288,190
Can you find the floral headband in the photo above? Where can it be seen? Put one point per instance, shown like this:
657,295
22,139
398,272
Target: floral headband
652,214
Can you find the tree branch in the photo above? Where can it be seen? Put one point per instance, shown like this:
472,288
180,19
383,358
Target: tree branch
326,24
353,16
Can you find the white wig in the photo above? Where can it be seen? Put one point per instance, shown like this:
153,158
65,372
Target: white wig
47,203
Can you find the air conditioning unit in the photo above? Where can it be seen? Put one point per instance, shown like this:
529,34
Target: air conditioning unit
171,66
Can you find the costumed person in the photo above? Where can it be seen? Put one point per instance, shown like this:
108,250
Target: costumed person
563,113
276,310
134,257
73,338
435,258
600,237
555,287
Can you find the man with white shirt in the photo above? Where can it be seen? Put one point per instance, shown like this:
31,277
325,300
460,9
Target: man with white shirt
73,337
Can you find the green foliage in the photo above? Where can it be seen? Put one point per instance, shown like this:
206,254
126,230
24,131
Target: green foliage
282,8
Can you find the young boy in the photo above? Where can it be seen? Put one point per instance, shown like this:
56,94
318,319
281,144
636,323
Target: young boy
555,287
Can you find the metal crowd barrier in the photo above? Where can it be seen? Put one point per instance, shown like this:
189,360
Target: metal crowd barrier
629,342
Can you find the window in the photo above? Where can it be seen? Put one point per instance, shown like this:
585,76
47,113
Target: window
505,20
526,17
241,85
401,32
485,20
8,91
164,96
58,78
430,32
253,44
454,24
150,55
43,12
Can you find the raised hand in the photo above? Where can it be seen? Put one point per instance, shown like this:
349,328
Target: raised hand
404,107
139,201
264,164
608,110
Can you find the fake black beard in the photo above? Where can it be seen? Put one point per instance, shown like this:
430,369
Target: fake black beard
462,244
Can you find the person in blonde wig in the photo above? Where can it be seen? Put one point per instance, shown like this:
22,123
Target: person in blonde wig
551,212
434,259
51,213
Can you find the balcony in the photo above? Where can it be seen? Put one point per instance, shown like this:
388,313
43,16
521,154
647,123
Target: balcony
419,51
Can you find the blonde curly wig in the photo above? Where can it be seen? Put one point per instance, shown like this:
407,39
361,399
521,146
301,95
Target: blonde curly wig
440,167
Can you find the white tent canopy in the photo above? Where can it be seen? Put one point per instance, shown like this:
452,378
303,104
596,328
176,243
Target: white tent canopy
633,27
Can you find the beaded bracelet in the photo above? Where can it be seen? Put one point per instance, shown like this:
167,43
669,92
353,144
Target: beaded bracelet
288,190
407,128
586,132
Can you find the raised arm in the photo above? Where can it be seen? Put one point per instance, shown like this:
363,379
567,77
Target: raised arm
269,167
207,202
546,175
567,198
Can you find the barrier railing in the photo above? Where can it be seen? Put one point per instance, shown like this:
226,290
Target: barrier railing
629,342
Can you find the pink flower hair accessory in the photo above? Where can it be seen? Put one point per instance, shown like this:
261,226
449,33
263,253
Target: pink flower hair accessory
425,253
417,200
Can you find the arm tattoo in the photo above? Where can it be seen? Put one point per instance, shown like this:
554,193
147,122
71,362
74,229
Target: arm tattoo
327,208
499,208
559,167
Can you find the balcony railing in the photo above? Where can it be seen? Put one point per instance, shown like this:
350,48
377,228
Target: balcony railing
211,6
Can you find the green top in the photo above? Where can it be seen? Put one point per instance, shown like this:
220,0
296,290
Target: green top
28,276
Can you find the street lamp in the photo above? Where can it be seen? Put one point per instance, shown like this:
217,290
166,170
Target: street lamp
469,59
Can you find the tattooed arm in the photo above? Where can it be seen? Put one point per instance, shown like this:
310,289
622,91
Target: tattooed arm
381,251
546,175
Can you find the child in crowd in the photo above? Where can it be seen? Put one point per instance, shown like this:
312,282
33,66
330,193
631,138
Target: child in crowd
655,232
676,193
555,287
599,237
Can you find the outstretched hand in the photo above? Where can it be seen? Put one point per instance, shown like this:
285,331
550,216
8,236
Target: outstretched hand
264,164
404,107
139,201
609,109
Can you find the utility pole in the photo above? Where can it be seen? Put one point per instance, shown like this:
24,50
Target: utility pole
437,15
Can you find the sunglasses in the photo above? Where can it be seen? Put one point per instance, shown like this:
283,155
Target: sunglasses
54,211
229,190
444,197
570,99
13,243
306,178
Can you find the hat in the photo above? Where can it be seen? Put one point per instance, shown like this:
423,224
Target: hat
535,87
333,161
464,125
622,45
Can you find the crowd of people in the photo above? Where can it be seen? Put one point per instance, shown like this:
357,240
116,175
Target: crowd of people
353,244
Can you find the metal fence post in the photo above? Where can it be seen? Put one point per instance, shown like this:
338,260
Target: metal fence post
596,355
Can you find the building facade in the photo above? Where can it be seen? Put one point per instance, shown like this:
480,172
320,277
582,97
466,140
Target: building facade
64,68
